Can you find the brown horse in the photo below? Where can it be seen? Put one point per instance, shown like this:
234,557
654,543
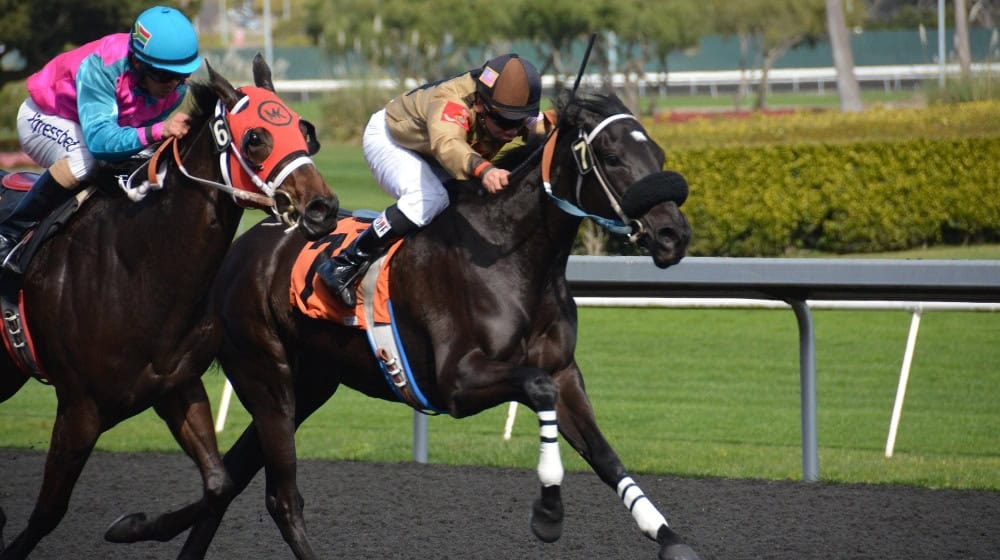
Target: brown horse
116,300
483,310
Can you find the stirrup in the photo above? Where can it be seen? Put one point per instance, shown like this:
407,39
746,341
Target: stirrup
9,263
348,290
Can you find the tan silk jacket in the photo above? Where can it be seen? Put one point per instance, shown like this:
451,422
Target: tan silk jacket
438,121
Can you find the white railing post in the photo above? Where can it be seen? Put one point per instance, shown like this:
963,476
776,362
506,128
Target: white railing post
904,377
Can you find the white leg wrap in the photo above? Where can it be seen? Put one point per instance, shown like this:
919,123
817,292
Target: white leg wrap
550,468
643,511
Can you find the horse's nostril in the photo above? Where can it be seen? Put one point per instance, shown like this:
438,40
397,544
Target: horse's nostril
321,209
668,233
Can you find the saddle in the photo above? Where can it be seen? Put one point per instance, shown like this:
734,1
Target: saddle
372,313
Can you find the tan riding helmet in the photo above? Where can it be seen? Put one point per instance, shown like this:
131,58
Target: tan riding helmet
510,86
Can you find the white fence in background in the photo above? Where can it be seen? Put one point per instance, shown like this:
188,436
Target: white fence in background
889,77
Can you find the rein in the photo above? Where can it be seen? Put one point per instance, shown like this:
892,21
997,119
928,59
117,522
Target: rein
585,163
249,196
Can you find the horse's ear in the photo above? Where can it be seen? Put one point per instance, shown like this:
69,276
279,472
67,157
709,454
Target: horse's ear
309,132
262,73
225,90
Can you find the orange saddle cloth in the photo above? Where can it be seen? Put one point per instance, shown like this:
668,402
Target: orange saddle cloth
311,296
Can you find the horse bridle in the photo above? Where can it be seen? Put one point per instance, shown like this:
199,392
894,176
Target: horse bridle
586,163
222,137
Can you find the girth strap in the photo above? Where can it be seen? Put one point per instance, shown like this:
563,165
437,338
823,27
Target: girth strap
15,330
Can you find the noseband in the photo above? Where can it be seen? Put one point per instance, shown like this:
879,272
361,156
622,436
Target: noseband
585,163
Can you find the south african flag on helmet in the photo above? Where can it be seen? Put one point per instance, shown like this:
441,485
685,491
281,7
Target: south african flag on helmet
140,35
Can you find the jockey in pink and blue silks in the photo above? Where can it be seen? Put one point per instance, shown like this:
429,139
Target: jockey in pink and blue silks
103,101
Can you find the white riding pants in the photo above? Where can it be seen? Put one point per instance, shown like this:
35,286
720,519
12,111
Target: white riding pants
416,184
47,139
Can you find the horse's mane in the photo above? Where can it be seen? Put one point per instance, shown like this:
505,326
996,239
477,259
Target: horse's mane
204,98
573,111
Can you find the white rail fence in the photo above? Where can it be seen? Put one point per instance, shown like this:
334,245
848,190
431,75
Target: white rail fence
890,77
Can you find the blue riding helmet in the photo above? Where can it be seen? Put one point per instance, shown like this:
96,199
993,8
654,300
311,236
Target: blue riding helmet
164,38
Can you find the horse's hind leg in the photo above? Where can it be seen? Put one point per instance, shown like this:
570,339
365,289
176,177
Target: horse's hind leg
278,413
578,425
74,434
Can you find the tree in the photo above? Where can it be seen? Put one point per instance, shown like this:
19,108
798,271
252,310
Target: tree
962,39
408,40
553,26
646,33
843,58
772,27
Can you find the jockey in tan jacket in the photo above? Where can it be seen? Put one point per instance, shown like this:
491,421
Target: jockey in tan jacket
437,132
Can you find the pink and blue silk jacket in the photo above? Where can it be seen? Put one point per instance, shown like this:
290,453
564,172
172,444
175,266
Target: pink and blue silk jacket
95,86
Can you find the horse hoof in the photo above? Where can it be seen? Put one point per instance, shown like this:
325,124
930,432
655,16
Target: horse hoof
678,552
672,547
546,522
126,529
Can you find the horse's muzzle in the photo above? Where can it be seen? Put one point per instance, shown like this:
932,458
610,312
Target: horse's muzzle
320,216
653,189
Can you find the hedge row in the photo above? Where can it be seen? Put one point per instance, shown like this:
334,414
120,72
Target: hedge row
770,198
877,124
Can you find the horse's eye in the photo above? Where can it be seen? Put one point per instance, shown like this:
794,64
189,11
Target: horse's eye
252,139
612,159
256,146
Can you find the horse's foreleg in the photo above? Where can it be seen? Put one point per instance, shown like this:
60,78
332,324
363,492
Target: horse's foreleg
74,434
10,383
241,463
187,412
486,383
578,425
547,511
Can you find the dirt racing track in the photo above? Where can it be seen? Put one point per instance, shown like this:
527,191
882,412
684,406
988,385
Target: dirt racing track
412,511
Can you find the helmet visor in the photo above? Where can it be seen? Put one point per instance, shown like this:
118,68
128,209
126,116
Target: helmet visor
161,76
506,123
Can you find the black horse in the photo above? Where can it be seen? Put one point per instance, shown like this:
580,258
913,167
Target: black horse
483,310
115,301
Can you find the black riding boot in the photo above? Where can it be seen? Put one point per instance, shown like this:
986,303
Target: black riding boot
43,197
342,272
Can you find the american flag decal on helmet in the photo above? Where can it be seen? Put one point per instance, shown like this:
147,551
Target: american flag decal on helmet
489,76
140,34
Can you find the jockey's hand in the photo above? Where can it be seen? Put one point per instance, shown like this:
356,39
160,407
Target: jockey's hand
177,125
495,180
